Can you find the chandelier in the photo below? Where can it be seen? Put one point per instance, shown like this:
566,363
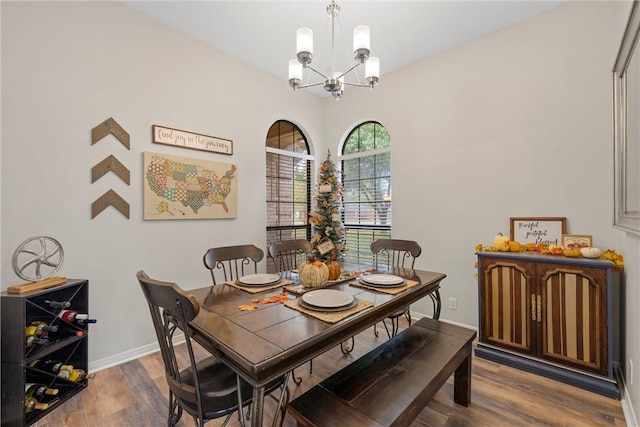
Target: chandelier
334,83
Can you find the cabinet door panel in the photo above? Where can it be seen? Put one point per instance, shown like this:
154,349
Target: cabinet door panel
507,306
575,302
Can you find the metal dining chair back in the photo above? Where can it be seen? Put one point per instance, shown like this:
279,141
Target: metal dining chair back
205,389
287,255
233,261
400,254
395,252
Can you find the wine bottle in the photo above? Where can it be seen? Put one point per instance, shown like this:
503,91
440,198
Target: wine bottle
38,328
39,390
50,366
58,304
62,332
72,316
31,404
74,374
34,340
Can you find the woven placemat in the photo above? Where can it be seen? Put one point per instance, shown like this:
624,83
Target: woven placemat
390,291
331,317
257,289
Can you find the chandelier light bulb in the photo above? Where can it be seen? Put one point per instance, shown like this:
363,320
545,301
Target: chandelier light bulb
304,44
361,42
372,67
295,73
372,71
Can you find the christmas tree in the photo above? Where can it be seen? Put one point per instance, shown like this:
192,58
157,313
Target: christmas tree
328,237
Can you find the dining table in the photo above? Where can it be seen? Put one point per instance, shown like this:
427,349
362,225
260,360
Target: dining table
265,341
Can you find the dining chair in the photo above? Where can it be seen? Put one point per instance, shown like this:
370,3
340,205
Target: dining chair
233,261
287,255
206,389
401,254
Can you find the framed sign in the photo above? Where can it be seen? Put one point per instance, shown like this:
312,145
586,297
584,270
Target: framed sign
538,230
576,241
325,246
194,141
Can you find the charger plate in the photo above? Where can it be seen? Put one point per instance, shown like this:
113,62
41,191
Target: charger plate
327,298
262,279
382,280
349,306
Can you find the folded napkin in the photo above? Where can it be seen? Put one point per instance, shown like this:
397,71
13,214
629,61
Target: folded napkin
257,289
390,291
329,317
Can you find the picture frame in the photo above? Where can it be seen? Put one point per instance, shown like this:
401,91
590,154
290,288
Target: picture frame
538,230
626,138
325,246
194,141
576,241
180,188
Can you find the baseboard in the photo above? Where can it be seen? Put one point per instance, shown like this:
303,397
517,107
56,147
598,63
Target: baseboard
625,400
418,316
127,356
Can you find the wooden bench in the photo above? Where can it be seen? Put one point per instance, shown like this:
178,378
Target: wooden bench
392,384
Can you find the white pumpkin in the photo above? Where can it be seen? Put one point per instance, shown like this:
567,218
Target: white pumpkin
500,240
590,252
313,274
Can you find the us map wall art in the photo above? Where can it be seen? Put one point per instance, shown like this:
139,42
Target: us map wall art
187,188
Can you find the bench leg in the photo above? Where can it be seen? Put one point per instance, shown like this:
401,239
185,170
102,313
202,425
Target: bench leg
462,381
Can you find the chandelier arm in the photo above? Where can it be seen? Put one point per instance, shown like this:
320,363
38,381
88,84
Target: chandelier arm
310,85
356,84
317,72
348,71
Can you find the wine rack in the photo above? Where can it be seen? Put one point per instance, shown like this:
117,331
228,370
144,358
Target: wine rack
19,311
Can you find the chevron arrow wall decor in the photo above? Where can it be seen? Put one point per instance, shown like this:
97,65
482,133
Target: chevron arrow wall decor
110,164
110,198
107,127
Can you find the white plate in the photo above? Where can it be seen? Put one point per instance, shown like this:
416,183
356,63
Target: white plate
382,279
259,279
327,298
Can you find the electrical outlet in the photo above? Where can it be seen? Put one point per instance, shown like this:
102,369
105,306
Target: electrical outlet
453,303
630,371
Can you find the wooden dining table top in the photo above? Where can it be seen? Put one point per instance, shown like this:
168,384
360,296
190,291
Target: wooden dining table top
265,343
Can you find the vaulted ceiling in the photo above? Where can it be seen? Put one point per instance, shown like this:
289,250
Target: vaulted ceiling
263,33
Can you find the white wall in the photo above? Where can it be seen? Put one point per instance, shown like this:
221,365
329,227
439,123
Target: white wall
68,66
517,123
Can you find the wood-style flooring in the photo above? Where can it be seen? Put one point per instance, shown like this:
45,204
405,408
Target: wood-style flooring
135,394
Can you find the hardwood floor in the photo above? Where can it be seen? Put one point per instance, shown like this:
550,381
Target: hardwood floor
135,394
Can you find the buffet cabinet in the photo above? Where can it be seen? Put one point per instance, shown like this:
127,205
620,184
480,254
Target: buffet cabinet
22,361
551,315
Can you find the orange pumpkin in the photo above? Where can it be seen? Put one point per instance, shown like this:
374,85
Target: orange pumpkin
514,246
334,270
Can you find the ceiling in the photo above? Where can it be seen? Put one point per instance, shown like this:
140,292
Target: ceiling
263,33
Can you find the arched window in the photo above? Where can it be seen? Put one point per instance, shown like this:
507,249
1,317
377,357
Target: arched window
288,184
366,175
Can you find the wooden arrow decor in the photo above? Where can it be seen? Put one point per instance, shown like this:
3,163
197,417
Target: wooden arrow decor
110,164
107,127
110,198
